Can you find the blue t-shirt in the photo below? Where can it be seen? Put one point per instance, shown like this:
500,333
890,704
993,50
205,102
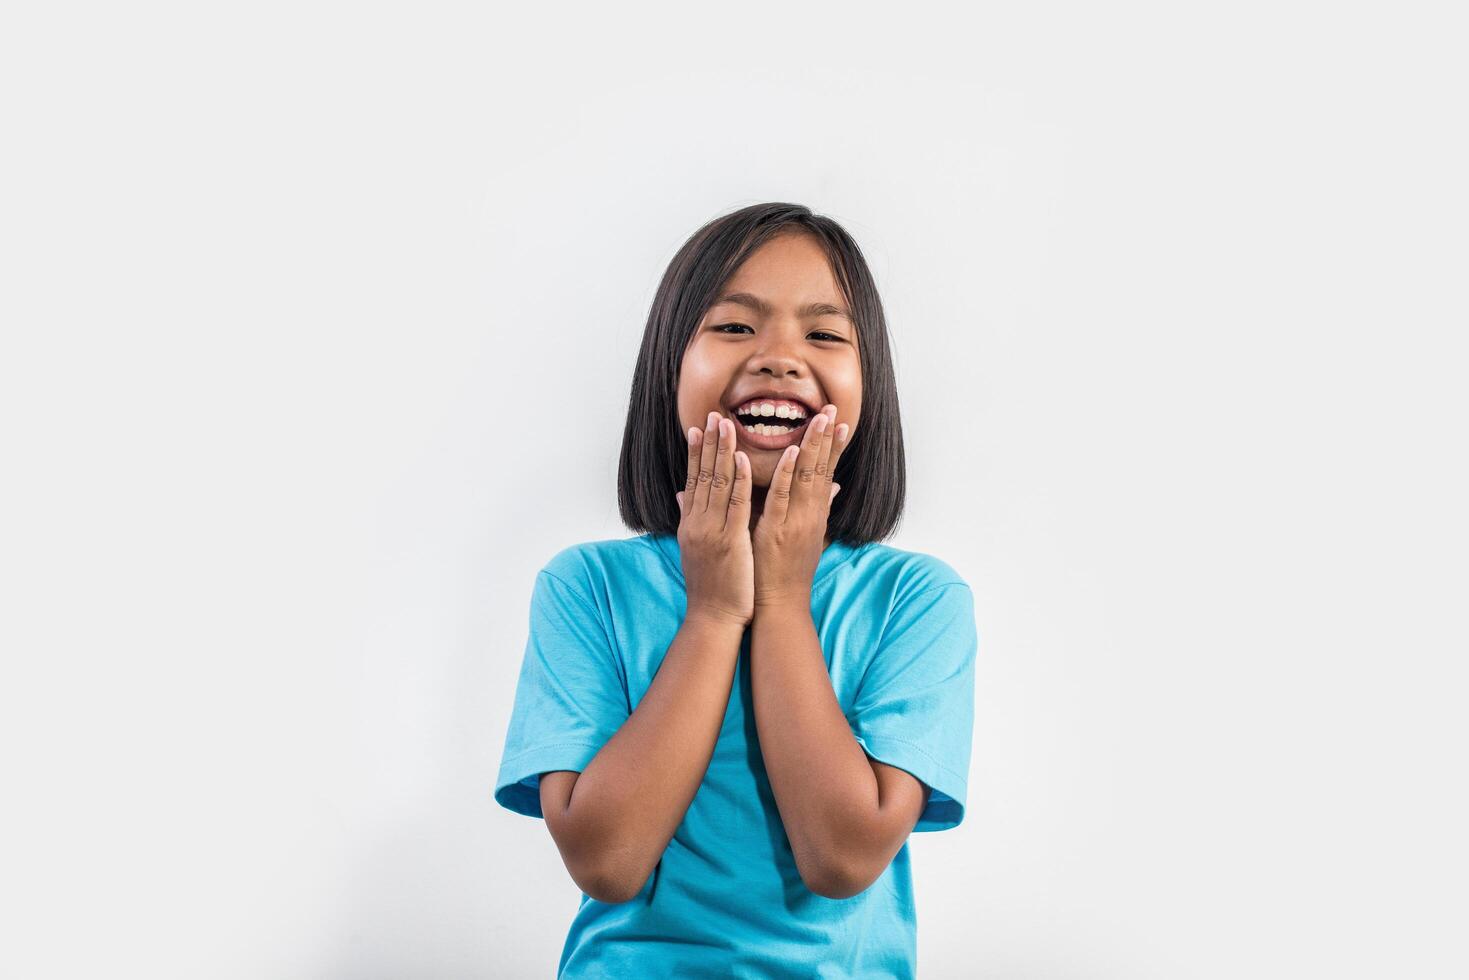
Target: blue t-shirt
726,900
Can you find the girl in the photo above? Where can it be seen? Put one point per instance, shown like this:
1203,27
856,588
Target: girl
732,722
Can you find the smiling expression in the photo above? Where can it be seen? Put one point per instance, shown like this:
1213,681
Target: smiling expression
779,325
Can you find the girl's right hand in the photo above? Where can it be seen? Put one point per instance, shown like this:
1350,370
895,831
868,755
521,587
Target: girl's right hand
714,529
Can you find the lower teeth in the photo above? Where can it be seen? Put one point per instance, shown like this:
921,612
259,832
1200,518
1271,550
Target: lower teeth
761,429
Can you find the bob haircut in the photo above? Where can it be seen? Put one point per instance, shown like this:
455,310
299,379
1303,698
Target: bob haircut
654,461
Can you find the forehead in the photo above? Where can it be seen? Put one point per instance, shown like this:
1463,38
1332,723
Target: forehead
788,272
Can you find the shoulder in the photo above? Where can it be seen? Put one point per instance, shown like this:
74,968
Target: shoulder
923,603
589,566
902,573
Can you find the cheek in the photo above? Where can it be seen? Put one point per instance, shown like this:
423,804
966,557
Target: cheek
694,407
689,414
701,379
683,411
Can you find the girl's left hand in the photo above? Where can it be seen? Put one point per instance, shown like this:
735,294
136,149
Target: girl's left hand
791,533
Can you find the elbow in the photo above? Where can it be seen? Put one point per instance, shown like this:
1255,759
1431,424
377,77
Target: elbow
607,873
835,879
835,865
609,889
835,885
613,877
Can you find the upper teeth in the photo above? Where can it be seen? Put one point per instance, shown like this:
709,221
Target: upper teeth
783,411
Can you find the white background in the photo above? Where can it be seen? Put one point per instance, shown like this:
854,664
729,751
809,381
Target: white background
319,325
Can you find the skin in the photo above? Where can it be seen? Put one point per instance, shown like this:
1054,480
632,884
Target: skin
814,355
845,826
752,529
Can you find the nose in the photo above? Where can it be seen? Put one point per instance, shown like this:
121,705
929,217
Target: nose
777,355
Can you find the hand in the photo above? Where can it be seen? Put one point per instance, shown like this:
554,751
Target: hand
714,526
791,533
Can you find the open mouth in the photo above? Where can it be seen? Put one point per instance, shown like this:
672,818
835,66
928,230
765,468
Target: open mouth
769,431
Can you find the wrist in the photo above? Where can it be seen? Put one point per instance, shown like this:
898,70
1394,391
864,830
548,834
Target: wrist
783,604
714,620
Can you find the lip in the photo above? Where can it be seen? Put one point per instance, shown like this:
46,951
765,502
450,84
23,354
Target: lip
752,440
755,440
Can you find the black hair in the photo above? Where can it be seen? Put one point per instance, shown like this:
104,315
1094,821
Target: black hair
654,461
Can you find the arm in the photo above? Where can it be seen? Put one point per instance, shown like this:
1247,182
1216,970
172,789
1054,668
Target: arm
613,821
846,815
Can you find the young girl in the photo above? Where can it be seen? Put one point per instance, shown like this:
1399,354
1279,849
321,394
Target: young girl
732,722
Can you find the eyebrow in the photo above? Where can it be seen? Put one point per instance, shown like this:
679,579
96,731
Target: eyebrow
764,309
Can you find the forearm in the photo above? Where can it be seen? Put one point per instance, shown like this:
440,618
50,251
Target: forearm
824,786
627,803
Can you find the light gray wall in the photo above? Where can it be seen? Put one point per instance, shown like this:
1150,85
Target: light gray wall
319,325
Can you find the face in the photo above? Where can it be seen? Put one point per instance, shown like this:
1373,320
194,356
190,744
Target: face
787,334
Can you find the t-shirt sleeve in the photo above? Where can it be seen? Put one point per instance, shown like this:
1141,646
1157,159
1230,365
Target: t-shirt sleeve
570,698
914,708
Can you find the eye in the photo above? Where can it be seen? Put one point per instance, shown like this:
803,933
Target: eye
729,327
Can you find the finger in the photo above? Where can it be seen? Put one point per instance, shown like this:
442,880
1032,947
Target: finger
738,515
805,478
840,440
778,497
835,489
841,437
823,453
706,463
695,438
724,468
